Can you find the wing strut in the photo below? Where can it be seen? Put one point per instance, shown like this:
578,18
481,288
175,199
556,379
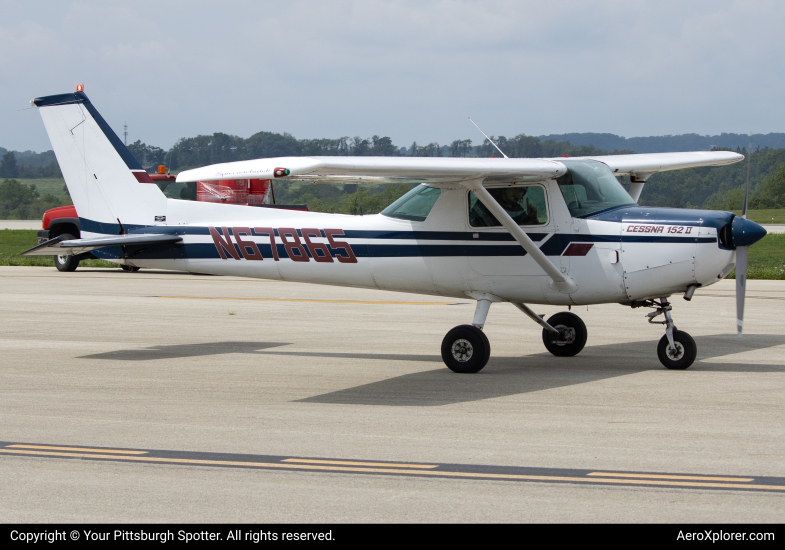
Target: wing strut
561,283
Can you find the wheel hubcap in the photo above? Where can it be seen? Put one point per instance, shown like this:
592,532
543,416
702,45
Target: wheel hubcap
462,350
62,259
566,336
674,354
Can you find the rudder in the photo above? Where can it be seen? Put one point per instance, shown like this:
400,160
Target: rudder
105,181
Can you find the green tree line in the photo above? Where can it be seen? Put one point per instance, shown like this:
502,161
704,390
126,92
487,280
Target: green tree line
11,168
714,187
710,187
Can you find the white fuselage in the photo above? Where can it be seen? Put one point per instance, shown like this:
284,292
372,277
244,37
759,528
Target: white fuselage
611,261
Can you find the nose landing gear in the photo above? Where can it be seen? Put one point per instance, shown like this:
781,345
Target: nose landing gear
677,349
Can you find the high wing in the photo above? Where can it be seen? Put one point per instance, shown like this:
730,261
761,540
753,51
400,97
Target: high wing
58,246
380,169
440,170
650,163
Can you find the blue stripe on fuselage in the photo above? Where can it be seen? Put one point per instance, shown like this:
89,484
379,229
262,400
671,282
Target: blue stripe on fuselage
554,246
664,216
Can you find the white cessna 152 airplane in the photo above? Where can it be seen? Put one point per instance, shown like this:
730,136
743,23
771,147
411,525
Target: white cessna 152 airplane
557,231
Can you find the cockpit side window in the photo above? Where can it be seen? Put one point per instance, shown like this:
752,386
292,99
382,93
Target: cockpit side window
526,205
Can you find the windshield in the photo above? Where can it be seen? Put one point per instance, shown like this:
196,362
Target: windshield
589,186
414,205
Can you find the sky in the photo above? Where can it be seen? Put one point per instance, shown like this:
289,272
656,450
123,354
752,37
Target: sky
411,70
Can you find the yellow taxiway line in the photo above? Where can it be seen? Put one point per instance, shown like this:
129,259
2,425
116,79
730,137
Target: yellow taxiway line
76,449
398,469
146,278
309,300
353,463
670,476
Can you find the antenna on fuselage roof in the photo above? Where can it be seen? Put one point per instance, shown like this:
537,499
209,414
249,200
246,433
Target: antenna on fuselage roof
489,139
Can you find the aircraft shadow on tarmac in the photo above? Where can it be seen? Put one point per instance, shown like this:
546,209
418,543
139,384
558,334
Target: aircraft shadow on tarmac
176,351
505,376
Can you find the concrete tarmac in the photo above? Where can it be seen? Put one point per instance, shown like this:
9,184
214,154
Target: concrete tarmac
350,383
20,224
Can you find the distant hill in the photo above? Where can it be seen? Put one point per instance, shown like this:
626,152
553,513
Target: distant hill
664,144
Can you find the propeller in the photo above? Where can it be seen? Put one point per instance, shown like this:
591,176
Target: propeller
744,234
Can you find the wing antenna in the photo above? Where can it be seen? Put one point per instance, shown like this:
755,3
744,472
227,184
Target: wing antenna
489,139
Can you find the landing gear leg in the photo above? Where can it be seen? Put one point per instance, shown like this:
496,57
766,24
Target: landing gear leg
677,349
466,349
564,334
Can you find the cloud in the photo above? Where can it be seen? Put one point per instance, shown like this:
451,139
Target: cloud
411,70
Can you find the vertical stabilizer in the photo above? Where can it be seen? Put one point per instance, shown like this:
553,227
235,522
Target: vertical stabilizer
105,181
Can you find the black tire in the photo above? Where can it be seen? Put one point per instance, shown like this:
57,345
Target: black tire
129,268
66,263
466,349
685,355
572,338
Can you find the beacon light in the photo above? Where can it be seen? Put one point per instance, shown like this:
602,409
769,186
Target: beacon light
161,169
79,88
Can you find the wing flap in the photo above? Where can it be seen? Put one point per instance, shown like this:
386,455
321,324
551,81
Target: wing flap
60,247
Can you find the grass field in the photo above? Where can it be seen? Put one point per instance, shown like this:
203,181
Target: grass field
55,186
767,257
51,186
765,216
14,241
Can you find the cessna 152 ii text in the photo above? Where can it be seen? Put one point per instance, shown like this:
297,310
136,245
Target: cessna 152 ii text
560,231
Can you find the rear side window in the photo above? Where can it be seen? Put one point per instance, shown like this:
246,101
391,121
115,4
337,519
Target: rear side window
525,204
414,205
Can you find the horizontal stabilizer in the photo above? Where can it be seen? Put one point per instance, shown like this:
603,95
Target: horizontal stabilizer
60,247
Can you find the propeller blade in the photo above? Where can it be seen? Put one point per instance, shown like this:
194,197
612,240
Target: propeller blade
741,285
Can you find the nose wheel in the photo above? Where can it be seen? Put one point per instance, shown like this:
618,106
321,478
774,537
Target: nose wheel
681,354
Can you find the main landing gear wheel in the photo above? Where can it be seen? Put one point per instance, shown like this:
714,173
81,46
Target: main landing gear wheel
682,356
132,269
466,349
571,337
66,263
